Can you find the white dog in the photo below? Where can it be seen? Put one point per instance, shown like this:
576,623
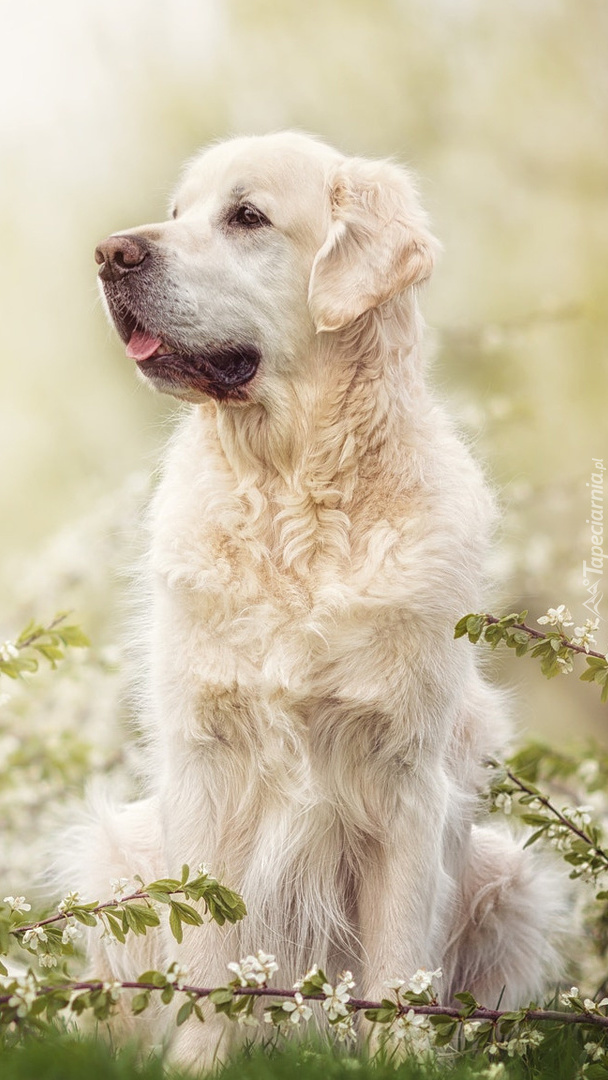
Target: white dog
316,734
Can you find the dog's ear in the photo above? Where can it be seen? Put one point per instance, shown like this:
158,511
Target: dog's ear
378,243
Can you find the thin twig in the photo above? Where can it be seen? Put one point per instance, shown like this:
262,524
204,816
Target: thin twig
564,820
354,1004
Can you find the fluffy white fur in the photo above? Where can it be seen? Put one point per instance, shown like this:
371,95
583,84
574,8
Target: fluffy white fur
315,733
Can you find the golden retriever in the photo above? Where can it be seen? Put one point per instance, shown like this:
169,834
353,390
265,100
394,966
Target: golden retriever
315,733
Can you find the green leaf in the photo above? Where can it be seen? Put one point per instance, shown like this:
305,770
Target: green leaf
175,925
84,917
468,1001
223,995
115,927
184,1012
140,1002
186,913
73,636
155,978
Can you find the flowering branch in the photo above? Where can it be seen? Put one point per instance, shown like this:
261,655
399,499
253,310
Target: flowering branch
554,648
570,829
135,912
49,642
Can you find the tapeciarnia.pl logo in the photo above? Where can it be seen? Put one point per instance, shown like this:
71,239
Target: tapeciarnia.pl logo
593,570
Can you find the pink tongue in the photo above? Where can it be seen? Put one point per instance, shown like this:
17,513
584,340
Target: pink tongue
142,345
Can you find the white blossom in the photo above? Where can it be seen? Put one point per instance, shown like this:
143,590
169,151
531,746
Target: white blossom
583,635
495,1071
346,980
297,1008
310,974
47,960
594,1006
71,933
335,1000
415,1031
119,886
594,1051
177,974
246,1020
23,995
559,616
344,1029
520,1044
254,970
583,814
469,1029
588,770
113,988
68,902
34,936
565,997
8,652
422,980
203,870
566,664
17,903
504,802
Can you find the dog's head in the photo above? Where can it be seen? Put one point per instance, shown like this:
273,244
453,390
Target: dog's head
272,240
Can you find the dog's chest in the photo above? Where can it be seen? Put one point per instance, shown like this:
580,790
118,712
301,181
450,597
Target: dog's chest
237,621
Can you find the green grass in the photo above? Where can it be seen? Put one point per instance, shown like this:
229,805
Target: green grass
71,1058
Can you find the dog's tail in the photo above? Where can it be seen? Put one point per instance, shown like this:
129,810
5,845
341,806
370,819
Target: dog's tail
510,915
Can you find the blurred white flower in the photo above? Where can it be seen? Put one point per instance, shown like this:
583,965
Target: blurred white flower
594,1051
114,989
345,1028
119,886
504,802
469,1029
177,974
246,1020
34,936
47,960
17,903
68,902
23,995
8,652
559,616
71,933
583,635
588,770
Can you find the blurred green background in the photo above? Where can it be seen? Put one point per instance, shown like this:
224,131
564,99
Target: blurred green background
501,109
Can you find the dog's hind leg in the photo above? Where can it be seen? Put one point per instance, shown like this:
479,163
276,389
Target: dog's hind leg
500,945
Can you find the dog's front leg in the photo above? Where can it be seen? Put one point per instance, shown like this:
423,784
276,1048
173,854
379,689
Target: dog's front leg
405,888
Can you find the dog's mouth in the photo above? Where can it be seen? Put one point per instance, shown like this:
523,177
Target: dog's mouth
220,370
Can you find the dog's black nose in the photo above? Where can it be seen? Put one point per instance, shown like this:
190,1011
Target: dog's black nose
119,255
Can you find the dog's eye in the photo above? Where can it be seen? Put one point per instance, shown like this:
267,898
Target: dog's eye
249,217
174,212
